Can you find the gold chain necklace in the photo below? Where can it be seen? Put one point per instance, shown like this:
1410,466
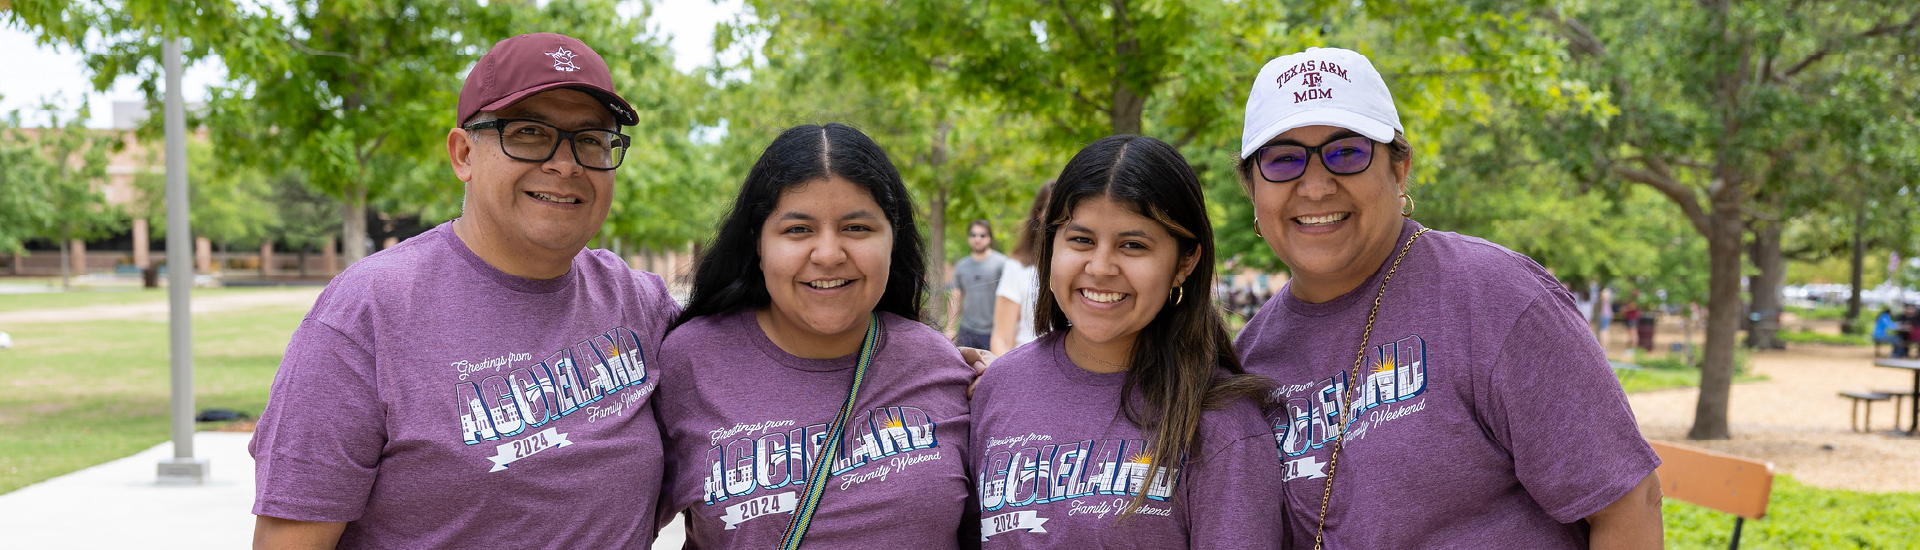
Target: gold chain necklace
1352,383
1090,356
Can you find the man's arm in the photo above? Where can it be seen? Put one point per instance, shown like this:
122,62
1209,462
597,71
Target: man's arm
271,533
1633,522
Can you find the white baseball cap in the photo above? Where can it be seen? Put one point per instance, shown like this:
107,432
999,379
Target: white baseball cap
1320,86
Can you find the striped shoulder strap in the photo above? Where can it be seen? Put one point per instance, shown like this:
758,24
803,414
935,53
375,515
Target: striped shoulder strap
817,479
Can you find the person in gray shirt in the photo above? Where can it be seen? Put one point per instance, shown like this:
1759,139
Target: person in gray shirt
974,278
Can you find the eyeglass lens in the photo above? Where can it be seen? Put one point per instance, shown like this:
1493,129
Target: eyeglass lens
535,141
1344,156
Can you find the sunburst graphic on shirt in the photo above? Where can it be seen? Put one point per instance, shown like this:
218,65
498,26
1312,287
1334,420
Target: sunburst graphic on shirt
1386,365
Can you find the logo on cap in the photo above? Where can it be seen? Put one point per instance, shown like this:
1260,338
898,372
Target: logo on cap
563,60
1312,71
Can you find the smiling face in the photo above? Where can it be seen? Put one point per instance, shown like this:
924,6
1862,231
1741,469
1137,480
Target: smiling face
1112,270
531,218
1332,231
825,251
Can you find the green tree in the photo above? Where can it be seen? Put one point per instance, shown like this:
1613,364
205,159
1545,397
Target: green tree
23,210
305,216
54,182
1039,79
355,94
231,204
1715,101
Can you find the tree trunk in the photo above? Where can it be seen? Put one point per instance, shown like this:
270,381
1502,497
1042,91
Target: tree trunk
353,225
266,258
65,264
303,259
1723,322
1765,288
937,226
1124,115
1596,312
1723,225
1127,110
1847,325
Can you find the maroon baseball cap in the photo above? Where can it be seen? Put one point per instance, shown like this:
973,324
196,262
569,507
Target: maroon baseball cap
519,67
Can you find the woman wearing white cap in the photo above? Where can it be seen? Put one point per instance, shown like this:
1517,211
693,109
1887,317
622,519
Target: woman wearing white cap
1435,390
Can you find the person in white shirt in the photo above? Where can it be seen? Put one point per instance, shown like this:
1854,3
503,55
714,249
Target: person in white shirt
1019,282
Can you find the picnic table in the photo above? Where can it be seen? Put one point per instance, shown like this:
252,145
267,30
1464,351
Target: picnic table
1911,365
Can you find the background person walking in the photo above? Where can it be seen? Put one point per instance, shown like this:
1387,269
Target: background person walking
974,279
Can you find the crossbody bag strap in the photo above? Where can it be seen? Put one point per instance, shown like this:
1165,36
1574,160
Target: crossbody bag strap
817,479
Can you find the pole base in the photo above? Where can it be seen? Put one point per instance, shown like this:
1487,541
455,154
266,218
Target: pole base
183,471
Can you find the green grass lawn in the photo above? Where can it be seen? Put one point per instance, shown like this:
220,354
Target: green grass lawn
74,395
1659,372
1799,516
1804,336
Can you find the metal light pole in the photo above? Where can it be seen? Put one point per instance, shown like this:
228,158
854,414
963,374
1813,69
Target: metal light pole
183,468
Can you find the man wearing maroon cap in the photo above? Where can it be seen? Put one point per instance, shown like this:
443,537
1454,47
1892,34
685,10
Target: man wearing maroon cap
485,384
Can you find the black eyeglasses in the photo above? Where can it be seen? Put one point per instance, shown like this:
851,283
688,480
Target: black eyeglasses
1345,157
536,141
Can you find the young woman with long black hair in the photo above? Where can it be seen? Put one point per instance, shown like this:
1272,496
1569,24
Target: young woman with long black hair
800,397
1129,422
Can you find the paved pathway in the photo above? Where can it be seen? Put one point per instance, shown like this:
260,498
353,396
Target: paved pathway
1796,420
157,310
118,505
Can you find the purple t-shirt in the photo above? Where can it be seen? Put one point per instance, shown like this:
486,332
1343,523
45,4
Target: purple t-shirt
744,423
1488,416
432,401
1056,461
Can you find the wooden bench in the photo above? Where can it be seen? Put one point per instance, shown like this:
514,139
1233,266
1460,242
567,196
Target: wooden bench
1866,398
1729,484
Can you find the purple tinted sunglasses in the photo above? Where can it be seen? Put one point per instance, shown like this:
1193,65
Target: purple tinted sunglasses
1344,157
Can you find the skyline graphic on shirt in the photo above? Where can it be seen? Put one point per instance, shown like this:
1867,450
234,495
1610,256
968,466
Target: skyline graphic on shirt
498,399
1025,475
1307,417
747,463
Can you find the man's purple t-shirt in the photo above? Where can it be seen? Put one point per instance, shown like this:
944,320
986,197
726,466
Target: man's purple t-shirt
1488,416
744,423
1056,460
431,401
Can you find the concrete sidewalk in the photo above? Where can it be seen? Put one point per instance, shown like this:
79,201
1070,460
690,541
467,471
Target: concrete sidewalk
118,505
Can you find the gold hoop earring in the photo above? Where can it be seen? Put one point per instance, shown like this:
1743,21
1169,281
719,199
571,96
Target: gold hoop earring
1256,228
1178,294
1407,211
